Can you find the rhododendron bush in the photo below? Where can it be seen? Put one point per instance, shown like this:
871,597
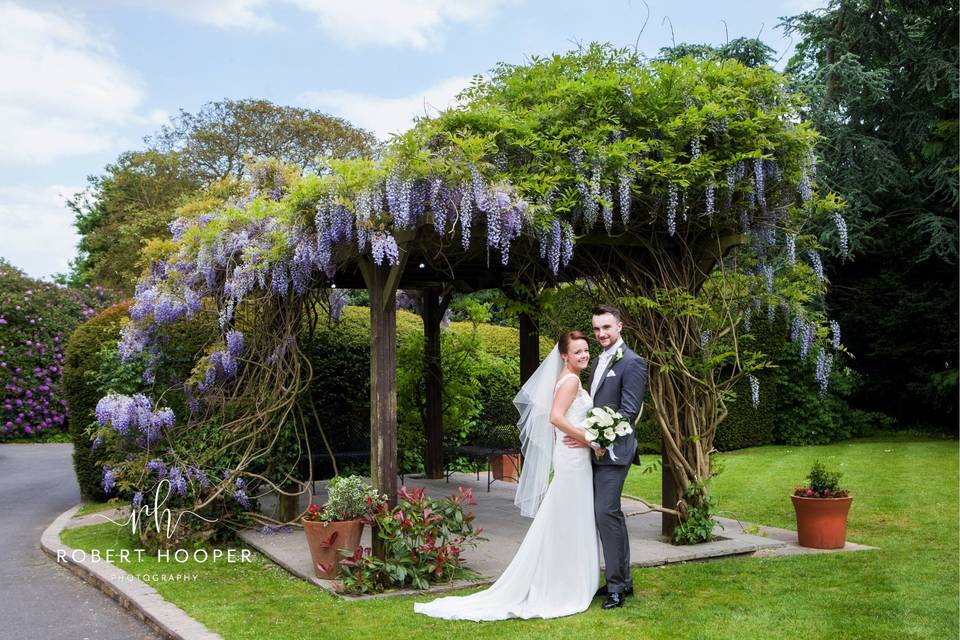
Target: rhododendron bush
36,318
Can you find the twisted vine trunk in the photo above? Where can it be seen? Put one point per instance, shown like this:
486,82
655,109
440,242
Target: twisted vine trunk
656,282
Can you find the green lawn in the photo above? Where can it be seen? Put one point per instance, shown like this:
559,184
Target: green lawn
905,502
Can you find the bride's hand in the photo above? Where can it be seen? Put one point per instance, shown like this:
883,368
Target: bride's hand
573,443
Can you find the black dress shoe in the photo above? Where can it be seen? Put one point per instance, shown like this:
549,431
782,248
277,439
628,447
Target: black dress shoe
602,591
613,601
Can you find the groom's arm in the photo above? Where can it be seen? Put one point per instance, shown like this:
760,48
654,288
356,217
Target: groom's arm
633,389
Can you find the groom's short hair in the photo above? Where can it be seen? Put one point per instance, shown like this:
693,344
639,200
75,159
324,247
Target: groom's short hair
601,309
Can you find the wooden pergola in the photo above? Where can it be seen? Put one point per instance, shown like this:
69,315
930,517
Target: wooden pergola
437,267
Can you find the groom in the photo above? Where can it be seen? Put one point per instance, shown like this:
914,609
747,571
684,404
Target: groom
618,379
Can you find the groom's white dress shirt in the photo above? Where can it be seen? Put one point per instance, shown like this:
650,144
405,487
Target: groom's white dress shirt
602,363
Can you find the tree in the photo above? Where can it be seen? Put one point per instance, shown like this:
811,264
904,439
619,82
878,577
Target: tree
882,84
217,141
137,196
134,200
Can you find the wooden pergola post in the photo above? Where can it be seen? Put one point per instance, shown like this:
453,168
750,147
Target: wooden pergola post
529,346
433,306
381,284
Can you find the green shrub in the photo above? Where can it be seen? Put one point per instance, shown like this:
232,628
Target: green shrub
84,358
92,368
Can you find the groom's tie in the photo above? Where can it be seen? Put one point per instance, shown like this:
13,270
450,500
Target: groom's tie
598,376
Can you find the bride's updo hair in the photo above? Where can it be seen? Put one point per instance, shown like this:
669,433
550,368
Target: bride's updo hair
563,343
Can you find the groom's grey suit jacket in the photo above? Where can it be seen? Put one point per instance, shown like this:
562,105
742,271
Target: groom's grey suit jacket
622,388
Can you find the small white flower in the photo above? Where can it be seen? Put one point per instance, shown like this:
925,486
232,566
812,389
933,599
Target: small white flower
609,434
619,355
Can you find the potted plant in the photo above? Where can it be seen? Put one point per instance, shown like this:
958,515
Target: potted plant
339,524
821,507
505,461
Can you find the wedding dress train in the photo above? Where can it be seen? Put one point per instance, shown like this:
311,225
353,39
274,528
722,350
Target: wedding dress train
556,570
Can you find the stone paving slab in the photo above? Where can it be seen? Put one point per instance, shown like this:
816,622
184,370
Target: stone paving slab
504,529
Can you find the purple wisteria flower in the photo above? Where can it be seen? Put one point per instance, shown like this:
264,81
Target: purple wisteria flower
791,249
709,199
234,342
466,215
158,467
384,248
842,234
817,264
178,482
109,481
607,207
554,248
241,497
759,183
672,200
624,182
824,367
835,334
754,390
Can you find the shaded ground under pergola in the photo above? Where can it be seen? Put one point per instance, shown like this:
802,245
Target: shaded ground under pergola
437,266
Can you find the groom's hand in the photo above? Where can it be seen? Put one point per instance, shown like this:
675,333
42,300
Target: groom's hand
573,443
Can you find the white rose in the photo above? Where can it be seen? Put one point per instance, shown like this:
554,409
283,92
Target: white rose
609,434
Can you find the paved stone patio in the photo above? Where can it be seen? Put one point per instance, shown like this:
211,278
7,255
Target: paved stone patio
504,528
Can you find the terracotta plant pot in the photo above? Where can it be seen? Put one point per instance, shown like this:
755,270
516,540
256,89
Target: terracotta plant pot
821,522
505,466
325,540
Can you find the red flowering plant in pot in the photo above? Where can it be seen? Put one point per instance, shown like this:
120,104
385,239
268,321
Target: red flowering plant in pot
337,526
423,539
821,507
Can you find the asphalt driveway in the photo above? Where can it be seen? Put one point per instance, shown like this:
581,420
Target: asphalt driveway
40,599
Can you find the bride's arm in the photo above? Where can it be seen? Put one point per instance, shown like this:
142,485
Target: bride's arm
562,400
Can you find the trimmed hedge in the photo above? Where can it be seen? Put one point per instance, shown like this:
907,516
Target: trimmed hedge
480,381
84,357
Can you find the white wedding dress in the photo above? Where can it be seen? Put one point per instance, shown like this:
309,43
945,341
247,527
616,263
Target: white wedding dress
556,570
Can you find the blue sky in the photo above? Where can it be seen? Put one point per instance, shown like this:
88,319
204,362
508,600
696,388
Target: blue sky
86,80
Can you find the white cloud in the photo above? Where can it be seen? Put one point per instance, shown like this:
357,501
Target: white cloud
383,115
414,23
37,228
63,93
223,14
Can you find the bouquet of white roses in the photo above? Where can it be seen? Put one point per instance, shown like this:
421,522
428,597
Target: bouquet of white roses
604,425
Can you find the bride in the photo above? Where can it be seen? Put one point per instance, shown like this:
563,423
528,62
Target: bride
556,570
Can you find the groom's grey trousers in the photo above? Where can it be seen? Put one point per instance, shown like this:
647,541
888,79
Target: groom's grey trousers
608,482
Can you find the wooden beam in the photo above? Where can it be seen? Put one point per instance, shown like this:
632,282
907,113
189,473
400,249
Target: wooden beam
434,305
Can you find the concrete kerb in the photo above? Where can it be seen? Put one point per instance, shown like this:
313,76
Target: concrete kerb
131,593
